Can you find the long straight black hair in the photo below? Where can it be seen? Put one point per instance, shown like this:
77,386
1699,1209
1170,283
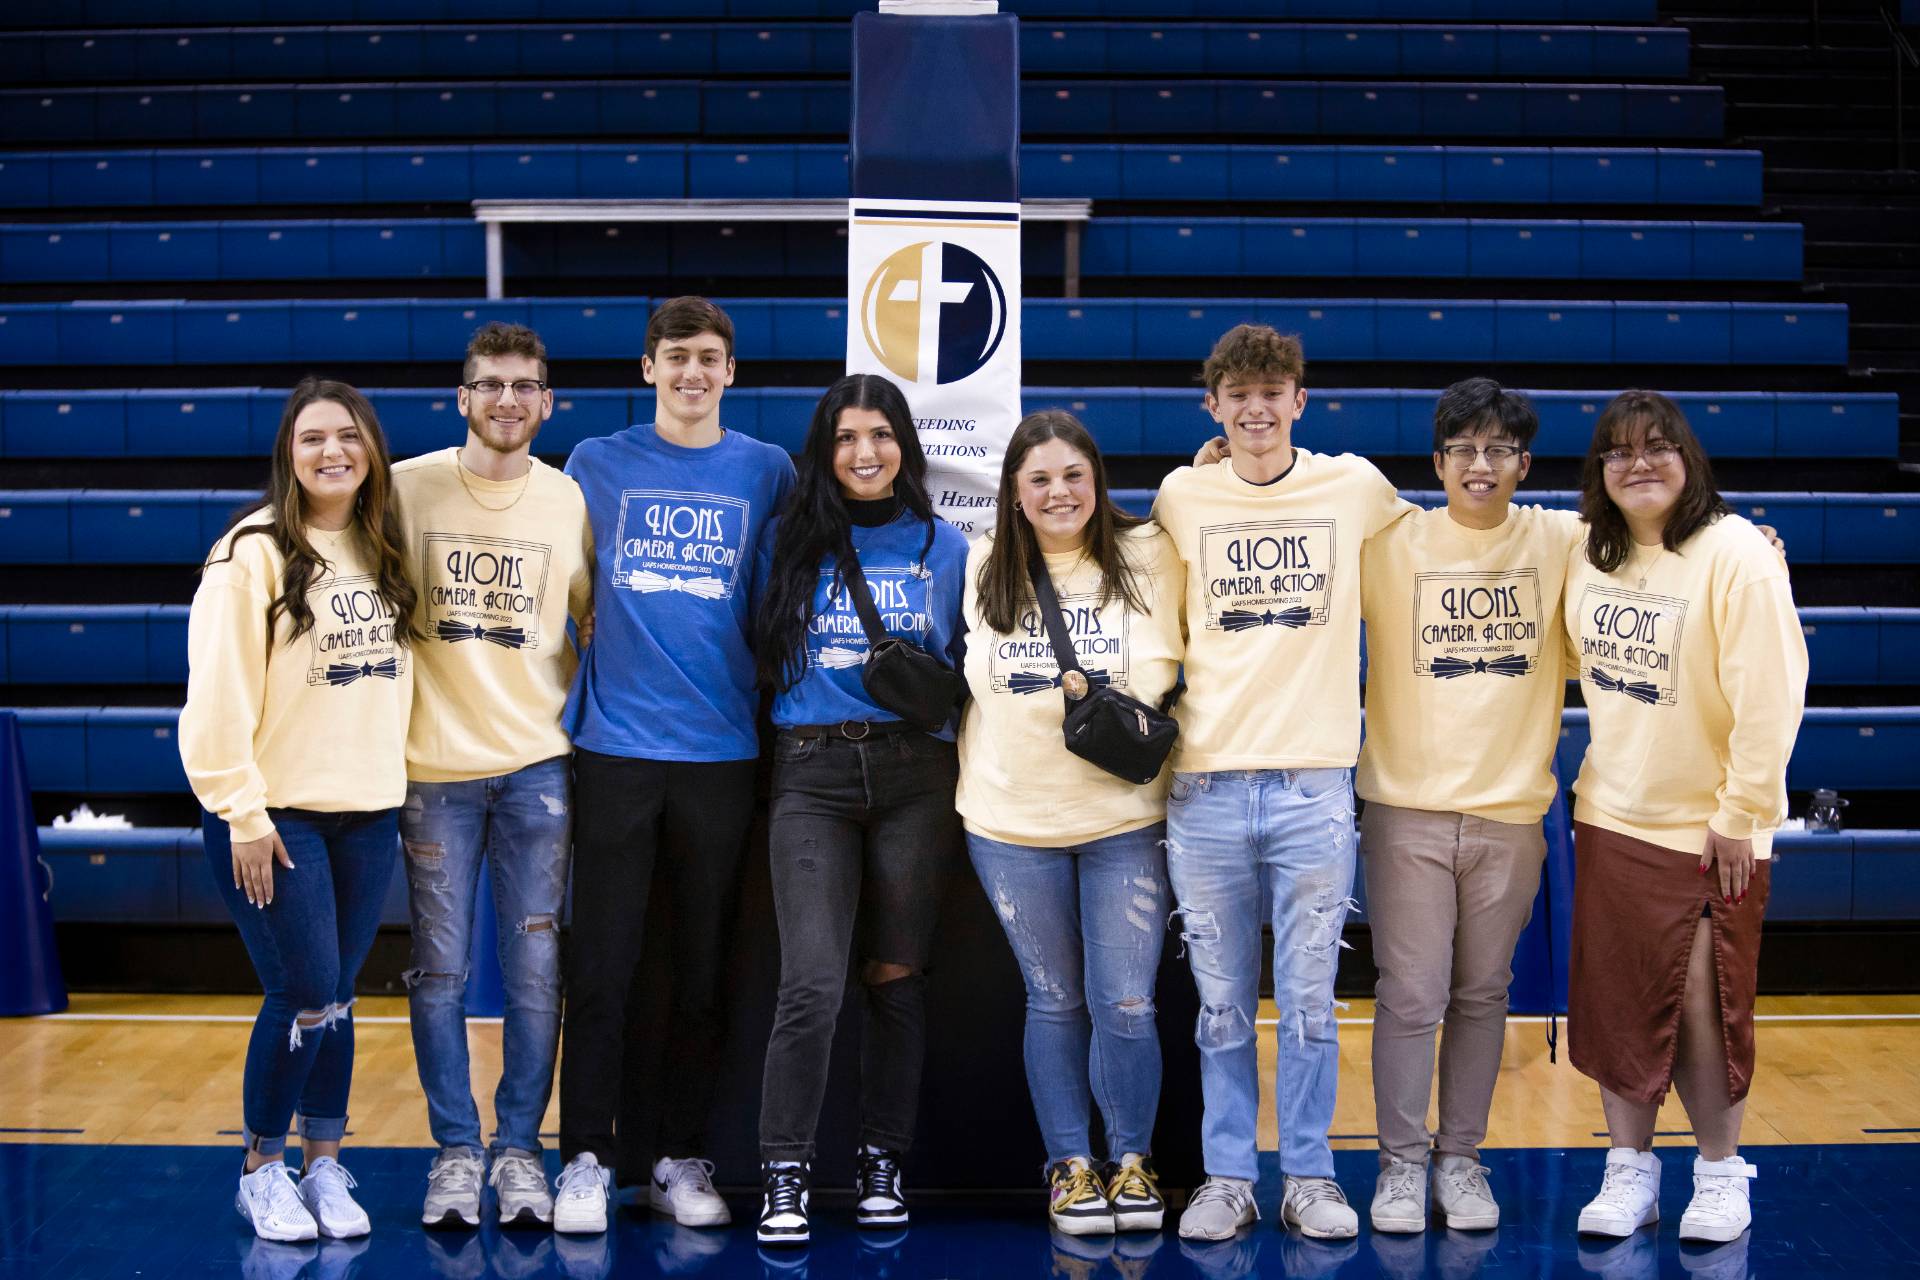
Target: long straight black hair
815,526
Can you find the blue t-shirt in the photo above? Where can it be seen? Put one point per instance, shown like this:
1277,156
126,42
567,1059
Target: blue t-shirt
918,602
677,560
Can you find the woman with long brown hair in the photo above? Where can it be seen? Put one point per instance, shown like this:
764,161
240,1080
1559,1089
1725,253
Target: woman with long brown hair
294,739
1694,671
1070,855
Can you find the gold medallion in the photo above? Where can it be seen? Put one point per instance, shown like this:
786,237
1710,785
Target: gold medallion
1075,683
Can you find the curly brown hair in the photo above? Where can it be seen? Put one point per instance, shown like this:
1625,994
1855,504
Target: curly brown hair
1255,353
498,338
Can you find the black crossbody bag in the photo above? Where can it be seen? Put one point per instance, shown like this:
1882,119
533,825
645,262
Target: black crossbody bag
1104,726
899,675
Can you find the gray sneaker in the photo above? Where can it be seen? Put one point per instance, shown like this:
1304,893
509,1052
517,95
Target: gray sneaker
1400,1198
1461,1195
519,1181
1217,1209
453,1190
1318,1209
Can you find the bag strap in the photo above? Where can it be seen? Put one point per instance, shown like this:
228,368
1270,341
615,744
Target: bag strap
1050,614
1056,625
861,595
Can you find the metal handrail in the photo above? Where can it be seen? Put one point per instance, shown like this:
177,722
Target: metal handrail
1903,58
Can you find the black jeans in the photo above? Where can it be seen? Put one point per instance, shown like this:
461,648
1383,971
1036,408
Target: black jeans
863,835
692,820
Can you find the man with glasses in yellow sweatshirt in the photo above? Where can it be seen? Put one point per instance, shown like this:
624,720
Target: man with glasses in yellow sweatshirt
498,545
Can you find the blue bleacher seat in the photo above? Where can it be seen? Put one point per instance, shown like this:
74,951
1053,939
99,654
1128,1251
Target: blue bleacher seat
205,422
172,251
58,644
1860,425
1081,329
115,877
1374,109
1450,50
276,251
1636,250
510,172
1800,518
229,332
254,113
1672,332
1746,250
1498,174
34,526
116,333
25,181
1332,328
1358,421
1174,422
1533,249
1600,175
1297,246
1584,111
1188,324
1457,329
592,328
745,172
98,178
363,329
1886,875
1065,171
1390,173
1410,247
136,527
325,175
1275,107
1172,173
1769,333
1867,528
1111,414
420,173
1473,110
209,177
69,424
1673,111
54,742
783,416
1176,247
1899,646
134,749
1811,876
31,252
1738,424
1546,52
1857,747
1686,176
641,172
805,329
1843,644
1281,173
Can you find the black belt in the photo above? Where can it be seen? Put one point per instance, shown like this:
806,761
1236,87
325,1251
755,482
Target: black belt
852,730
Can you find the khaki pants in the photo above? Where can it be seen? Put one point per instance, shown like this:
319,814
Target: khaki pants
1447,897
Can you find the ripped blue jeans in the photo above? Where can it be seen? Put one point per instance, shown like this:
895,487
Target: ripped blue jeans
521,825
307,945
1240,844
1086,922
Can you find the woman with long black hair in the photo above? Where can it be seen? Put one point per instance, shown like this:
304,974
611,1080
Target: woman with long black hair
1072,857
294,738
863,827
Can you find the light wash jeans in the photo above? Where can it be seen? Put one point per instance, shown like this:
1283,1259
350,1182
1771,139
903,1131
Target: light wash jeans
1238,841
1086,922
520,823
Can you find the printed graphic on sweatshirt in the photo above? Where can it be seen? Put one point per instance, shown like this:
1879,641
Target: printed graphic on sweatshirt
835,638
1023,662
691,543
352,634
488,590
1630,644
1476,624
1267,573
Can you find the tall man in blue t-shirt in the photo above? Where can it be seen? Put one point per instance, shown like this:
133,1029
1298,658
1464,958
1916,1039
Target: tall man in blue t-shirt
662,720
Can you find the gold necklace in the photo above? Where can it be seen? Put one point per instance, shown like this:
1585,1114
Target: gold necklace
1641,585
460,469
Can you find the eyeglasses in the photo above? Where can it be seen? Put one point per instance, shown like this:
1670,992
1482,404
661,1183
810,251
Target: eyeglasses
1497,455
1657,455
491,388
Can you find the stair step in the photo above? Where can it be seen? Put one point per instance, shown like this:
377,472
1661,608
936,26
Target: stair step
1819,178
1829,260
1890,337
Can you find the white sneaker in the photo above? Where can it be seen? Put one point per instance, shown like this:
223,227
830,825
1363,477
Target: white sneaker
684,1190
1461,1194
1400,1198
269,1201
1720,1209
1319,1209
324,1187
581,1206
453,1190
519,1183
1218,1208
1629,1195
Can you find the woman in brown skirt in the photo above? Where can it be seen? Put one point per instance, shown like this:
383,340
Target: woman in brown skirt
1694,671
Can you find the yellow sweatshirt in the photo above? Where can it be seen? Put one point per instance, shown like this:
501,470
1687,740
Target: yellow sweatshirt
500,567
320,722
1694,671
1273,609
1465,663
1018,782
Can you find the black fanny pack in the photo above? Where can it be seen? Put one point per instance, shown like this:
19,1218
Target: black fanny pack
899,675
1104,726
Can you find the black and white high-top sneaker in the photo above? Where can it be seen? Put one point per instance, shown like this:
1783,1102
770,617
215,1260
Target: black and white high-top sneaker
876,1189
783,1203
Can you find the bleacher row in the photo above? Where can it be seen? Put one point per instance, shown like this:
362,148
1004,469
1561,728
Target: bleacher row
239,422
159,875
54,14
787,108
176,526
147,644
428,248
328,176
691,49
169,331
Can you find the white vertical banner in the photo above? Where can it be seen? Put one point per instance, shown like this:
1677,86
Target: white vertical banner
933,293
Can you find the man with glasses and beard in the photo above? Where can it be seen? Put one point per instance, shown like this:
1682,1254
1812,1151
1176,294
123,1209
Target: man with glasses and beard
498,545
